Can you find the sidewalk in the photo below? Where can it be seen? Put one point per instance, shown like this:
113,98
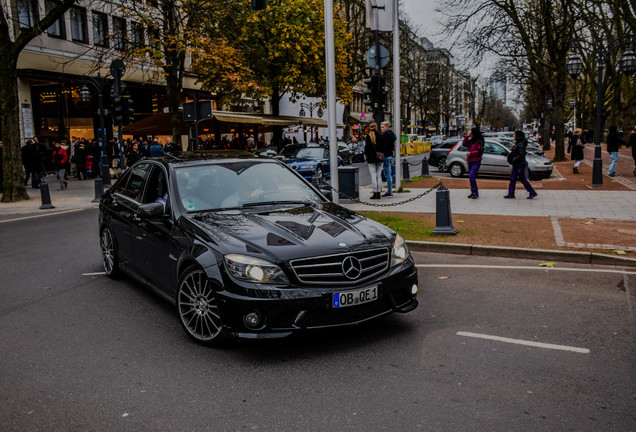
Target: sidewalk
568,215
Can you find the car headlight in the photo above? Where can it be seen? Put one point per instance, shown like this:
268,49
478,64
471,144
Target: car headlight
254,270
400,252
307,167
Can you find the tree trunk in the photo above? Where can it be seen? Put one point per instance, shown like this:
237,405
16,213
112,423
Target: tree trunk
346,136
13,182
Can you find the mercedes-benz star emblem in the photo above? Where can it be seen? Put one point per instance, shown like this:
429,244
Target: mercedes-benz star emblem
351,267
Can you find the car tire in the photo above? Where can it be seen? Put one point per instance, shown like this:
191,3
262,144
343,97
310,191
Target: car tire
456,169
441,164
110,260
197,308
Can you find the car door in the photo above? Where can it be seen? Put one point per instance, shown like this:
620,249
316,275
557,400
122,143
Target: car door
125,203
494,159
151,239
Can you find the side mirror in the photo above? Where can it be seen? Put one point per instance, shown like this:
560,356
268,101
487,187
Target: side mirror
150,210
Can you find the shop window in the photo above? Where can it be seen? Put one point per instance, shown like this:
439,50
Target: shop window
58,28
78,24
100,29
27,13
119,33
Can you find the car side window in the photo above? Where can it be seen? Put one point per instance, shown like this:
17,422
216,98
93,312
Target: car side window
132,188
491,148
157,189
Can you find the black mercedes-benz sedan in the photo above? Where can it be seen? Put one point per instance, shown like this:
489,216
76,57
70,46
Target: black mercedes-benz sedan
246,248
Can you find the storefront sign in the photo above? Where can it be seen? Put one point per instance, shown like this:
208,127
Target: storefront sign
27,121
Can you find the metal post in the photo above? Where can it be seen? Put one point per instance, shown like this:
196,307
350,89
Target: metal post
405,170
99,189
397,122
195,146
45,196
597,168
443,218
330,69
425,172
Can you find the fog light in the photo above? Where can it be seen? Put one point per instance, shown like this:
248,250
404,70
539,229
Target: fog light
414,289
252,319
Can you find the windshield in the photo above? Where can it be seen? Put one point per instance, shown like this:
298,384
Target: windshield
235,184
311,153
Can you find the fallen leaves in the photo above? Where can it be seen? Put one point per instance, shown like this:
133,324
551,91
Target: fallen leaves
546,264
619,252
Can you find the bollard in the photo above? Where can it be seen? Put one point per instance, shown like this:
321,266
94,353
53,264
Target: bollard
443,219
99,189
425,172
46,197
406,176
106,175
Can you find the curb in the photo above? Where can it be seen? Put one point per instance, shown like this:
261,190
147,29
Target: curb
510,252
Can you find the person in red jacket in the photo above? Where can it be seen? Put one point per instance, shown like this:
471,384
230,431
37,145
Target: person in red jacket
59,164
475,143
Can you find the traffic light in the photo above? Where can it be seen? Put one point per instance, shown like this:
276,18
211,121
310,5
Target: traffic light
117,109
259,4
375,94
369,93
128,111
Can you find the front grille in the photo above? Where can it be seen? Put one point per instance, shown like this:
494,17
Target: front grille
328,270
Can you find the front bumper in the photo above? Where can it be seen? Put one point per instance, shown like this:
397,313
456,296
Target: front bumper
292,309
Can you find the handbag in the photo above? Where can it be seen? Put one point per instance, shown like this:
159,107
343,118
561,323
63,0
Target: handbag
379,156
510,158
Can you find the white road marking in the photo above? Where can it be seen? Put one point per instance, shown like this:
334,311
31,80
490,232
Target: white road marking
592,270
524,342
94,274
41,215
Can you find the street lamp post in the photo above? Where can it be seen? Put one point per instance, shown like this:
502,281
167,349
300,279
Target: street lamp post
627,65
573,106
311,107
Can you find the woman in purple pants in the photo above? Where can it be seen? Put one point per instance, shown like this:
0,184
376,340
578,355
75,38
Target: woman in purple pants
517,158
475,143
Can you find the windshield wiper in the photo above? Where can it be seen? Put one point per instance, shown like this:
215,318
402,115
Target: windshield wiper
265,203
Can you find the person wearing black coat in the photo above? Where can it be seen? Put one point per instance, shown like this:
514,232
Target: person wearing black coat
632,143
576,148
388,140
613,141
517,158
372,146
32,161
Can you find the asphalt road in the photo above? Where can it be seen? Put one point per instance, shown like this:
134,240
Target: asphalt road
82,352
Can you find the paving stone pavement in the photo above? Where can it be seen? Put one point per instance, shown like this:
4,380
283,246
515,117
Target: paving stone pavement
610,205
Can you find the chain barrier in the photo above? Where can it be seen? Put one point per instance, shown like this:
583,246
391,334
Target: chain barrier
322,183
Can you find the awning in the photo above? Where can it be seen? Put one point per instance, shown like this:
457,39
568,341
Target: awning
237,117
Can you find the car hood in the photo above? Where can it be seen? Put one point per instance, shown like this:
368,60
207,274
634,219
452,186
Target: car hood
301,161
286,232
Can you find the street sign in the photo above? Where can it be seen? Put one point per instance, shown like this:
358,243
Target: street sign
117,68
204,110
384,56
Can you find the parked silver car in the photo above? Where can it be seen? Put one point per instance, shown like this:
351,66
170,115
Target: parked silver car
494,161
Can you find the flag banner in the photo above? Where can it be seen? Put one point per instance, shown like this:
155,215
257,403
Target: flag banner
384,10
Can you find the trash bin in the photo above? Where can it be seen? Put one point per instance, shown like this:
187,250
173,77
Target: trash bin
349,183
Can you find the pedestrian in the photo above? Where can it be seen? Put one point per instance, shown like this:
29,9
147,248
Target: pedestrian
517,158
80,162
156,149
388,145
632,143
576,149
32,161
474,141
613,141
59,160
170,146
373,148
133,155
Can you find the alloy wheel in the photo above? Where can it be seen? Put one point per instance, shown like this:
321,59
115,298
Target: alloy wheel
198,308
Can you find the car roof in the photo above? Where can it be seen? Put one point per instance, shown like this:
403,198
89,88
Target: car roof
196,157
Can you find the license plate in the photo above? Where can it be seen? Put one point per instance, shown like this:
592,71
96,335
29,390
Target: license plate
354,298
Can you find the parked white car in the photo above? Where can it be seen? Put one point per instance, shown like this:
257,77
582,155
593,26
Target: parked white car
494,161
